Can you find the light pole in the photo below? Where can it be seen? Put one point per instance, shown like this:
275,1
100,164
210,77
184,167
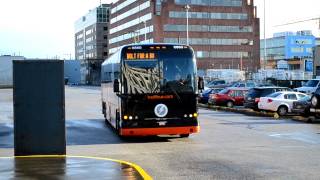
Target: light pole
264,34
187,7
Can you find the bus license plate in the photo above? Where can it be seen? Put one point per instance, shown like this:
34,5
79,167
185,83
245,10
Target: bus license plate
162,123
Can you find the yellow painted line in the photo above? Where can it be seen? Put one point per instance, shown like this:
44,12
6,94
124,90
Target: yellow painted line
141,171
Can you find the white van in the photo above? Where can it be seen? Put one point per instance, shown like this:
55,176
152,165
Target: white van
309,87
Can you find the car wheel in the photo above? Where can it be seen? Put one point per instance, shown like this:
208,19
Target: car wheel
314,101
230,104
282,110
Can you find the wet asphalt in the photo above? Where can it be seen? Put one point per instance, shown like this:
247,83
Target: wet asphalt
229,146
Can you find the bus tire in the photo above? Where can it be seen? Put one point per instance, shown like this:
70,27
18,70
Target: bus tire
184,135
118,122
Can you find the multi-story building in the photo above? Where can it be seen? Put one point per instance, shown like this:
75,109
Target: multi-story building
288,50
91,42
223,33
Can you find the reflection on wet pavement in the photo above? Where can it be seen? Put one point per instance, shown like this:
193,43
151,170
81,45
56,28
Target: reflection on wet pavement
65,168
82,132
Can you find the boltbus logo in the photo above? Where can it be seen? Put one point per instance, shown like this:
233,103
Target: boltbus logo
161,110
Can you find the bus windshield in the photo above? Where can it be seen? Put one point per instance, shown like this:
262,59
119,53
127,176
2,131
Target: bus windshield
162,71
178,71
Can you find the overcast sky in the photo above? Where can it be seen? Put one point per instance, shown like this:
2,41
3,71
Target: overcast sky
45,28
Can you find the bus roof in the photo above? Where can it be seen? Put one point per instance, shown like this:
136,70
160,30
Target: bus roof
116,56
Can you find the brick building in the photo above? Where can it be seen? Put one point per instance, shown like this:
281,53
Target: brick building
223,33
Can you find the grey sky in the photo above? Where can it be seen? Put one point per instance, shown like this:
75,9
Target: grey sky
45,28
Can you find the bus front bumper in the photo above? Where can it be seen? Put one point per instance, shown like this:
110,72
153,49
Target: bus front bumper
159,131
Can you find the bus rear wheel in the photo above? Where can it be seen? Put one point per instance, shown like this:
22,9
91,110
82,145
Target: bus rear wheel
184,135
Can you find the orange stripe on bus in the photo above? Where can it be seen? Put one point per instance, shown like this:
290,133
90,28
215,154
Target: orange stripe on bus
159,131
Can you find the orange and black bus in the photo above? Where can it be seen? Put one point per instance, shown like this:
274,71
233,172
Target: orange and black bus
151,89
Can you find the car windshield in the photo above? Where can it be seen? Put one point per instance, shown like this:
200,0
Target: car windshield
224,91
206,91
312,83
274,95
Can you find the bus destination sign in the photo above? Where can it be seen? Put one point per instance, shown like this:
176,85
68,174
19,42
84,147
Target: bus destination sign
140,56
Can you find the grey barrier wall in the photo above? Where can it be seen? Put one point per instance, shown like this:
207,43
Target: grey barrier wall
39,107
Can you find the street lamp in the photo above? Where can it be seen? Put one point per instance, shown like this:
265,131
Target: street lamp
187,7
264,35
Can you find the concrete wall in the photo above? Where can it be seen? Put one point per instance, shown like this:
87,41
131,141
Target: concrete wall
6,69
72,71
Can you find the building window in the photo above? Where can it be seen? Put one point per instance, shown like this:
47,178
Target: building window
131,12
297,49
221,54
231,3
309,50
131,23
207,15
206,41
205,28
105,28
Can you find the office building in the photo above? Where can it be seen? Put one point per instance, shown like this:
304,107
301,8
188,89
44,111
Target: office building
289,50
91,42
223,33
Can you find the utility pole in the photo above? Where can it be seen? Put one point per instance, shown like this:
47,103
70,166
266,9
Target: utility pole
187,7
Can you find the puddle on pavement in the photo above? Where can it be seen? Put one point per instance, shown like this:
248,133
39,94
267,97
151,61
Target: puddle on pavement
65,168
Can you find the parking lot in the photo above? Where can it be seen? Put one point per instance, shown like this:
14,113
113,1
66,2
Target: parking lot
229,146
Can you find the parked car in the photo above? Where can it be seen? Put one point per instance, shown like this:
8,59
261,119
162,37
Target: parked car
247,84
280,102
228,97
315,103
204,96
302,106
215,82
253,96
309,87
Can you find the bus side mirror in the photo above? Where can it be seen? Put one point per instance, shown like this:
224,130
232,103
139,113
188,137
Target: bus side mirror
200,83
116,86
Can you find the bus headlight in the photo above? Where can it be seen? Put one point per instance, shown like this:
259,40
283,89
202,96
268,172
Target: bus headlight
130,117
190,115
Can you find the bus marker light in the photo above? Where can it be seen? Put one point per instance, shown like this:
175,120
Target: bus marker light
125,117
195,114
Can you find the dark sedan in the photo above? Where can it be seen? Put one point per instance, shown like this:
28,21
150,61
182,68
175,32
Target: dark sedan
302,106
204,96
